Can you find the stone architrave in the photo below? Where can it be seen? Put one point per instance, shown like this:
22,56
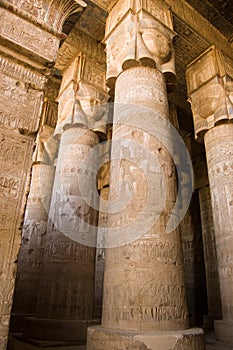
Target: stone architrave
144,304
65,301
36,213
210,82
21,104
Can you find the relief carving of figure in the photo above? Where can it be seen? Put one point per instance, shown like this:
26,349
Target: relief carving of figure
90,108
46,148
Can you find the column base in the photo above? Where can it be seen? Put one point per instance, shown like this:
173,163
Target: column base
224,331
102,338
57,330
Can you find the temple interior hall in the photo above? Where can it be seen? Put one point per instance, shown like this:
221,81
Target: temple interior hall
116,174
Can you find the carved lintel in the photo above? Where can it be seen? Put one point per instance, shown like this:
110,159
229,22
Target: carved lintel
210,88
83,97
27,38
139,33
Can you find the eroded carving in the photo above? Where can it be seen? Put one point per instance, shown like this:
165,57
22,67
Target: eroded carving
210,90
136,34
83,96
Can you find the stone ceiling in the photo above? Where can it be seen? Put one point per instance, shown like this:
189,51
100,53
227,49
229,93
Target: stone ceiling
189,42
218,12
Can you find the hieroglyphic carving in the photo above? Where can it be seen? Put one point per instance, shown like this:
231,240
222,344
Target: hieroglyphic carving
209,87
83,96
219,146
78,42
30,37
20,104
135,300
50,14
15,161
21,73
137,33
209,244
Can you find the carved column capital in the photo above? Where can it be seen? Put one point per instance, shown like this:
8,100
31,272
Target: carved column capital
83,97
210,89
139,33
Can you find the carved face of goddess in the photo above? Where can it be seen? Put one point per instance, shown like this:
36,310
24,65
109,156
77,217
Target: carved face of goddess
156,43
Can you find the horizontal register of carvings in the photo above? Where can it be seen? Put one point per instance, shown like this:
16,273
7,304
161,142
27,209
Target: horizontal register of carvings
83,96
48,14
139,32
21,96
210,89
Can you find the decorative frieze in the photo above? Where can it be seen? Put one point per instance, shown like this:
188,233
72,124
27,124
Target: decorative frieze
18,31
48,14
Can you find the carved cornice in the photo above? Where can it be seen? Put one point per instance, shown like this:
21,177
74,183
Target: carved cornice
51,18
210,89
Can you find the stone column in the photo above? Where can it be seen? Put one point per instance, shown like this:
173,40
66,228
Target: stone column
194,262
36,214
103,187
30,35
201,184
210,89
210,254
65,302
144,303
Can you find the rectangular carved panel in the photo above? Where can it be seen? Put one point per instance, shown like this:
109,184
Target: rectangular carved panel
20,108
20,96
28,36
15,161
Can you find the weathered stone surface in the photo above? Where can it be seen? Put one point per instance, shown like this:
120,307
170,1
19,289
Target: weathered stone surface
104,338
219,145
139,33
21,96
211,265
194,267
210,88
46,13
31,39
15,163
143,284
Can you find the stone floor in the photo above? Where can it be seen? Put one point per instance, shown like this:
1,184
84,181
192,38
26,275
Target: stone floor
16,344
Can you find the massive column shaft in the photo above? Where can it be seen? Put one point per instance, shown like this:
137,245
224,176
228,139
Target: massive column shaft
210,92
144,303
65,302
211,261
219,153
36,214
